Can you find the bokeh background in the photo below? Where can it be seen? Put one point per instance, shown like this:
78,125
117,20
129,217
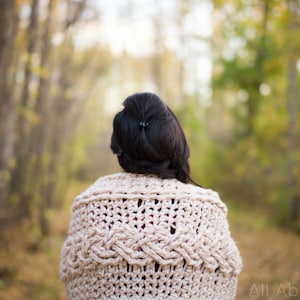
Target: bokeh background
229,69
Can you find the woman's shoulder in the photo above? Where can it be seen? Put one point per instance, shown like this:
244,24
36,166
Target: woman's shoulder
103,184
146,183
131,185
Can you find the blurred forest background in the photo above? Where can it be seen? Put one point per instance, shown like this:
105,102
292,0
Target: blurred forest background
229,69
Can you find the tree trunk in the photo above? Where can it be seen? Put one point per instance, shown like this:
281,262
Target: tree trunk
292,103
41,131
254,96
32,33
157,58
20,173
9,20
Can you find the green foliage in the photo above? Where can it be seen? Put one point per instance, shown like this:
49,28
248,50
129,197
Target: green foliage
253,165
191,116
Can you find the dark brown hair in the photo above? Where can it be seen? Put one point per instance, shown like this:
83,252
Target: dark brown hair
148,139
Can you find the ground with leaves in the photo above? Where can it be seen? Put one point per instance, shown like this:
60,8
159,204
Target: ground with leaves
271,258
29,267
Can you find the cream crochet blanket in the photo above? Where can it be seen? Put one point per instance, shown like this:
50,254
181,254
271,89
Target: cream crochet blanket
140,237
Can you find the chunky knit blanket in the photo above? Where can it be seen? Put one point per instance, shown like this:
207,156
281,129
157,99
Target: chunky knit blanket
134,236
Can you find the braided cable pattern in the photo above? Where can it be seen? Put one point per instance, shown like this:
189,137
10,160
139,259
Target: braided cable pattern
142,227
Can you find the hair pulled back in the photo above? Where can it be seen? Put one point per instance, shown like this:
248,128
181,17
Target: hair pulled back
148,139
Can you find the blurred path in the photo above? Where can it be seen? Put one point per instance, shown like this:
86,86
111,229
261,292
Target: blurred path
271,258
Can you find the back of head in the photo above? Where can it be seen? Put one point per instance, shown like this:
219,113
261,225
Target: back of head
148,138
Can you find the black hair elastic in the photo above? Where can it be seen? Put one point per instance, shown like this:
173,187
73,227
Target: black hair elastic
143,124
